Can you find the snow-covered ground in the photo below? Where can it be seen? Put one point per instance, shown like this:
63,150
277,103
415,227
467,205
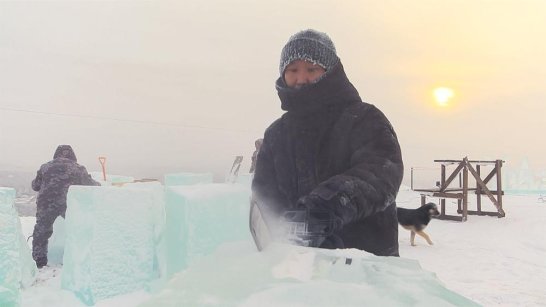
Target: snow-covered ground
495,262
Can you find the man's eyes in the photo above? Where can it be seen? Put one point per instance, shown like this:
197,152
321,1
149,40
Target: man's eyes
309,70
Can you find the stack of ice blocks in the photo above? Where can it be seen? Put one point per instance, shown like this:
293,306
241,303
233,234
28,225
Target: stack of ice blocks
17,268
187,178
244,178
201,217
113,240
122,239
283,275
111,179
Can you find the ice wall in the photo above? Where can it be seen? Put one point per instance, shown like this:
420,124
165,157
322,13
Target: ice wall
110,179
201,217
55,248
523,179
122,239
17,268
237,275
244,178
113,240
187,178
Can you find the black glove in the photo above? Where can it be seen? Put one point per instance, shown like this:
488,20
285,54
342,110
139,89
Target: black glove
312,225
320,214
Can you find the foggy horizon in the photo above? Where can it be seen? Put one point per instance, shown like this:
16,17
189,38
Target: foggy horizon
165,87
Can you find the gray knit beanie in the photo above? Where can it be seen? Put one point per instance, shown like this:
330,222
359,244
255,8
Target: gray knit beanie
312,46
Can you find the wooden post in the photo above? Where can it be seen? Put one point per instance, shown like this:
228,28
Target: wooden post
498,166
478,191
465,189
442,182
459,201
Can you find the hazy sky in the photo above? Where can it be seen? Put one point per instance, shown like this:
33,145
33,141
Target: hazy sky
160,86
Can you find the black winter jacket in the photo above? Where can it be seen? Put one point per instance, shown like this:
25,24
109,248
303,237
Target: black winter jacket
332,145
55,177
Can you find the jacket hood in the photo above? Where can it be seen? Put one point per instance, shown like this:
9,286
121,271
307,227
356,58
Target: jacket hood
332,90
65,151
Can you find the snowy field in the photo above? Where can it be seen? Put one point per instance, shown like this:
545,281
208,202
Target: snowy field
495,262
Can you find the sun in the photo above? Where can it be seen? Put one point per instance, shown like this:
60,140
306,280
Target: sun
443,95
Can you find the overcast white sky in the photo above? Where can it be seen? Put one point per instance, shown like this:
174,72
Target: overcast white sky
161,86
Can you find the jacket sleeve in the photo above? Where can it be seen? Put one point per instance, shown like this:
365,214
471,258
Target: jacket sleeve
37,182
85,178
371,183
265,189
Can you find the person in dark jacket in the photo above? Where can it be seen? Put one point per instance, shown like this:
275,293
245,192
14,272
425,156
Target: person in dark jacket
52,182
330,152
257,144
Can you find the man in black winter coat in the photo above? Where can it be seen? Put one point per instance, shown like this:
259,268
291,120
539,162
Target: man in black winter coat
330,153
52,182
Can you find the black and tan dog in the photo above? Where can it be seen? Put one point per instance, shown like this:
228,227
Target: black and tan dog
416,220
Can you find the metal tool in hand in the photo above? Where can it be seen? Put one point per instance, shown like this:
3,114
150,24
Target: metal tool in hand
307,227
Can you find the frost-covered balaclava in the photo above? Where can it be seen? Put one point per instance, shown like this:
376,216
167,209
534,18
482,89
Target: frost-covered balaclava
309,45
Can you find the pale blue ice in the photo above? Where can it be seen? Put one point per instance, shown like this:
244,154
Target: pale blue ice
237,274
175,179
17,268
110,179
190,245
244,178
201,217
113,237
55,246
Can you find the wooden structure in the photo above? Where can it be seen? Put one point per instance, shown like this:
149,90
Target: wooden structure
465,166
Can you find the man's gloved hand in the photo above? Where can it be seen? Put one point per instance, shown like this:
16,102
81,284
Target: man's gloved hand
310,202
320,215
312,223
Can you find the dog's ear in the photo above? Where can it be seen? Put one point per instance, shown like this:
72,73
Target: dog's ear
432,205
